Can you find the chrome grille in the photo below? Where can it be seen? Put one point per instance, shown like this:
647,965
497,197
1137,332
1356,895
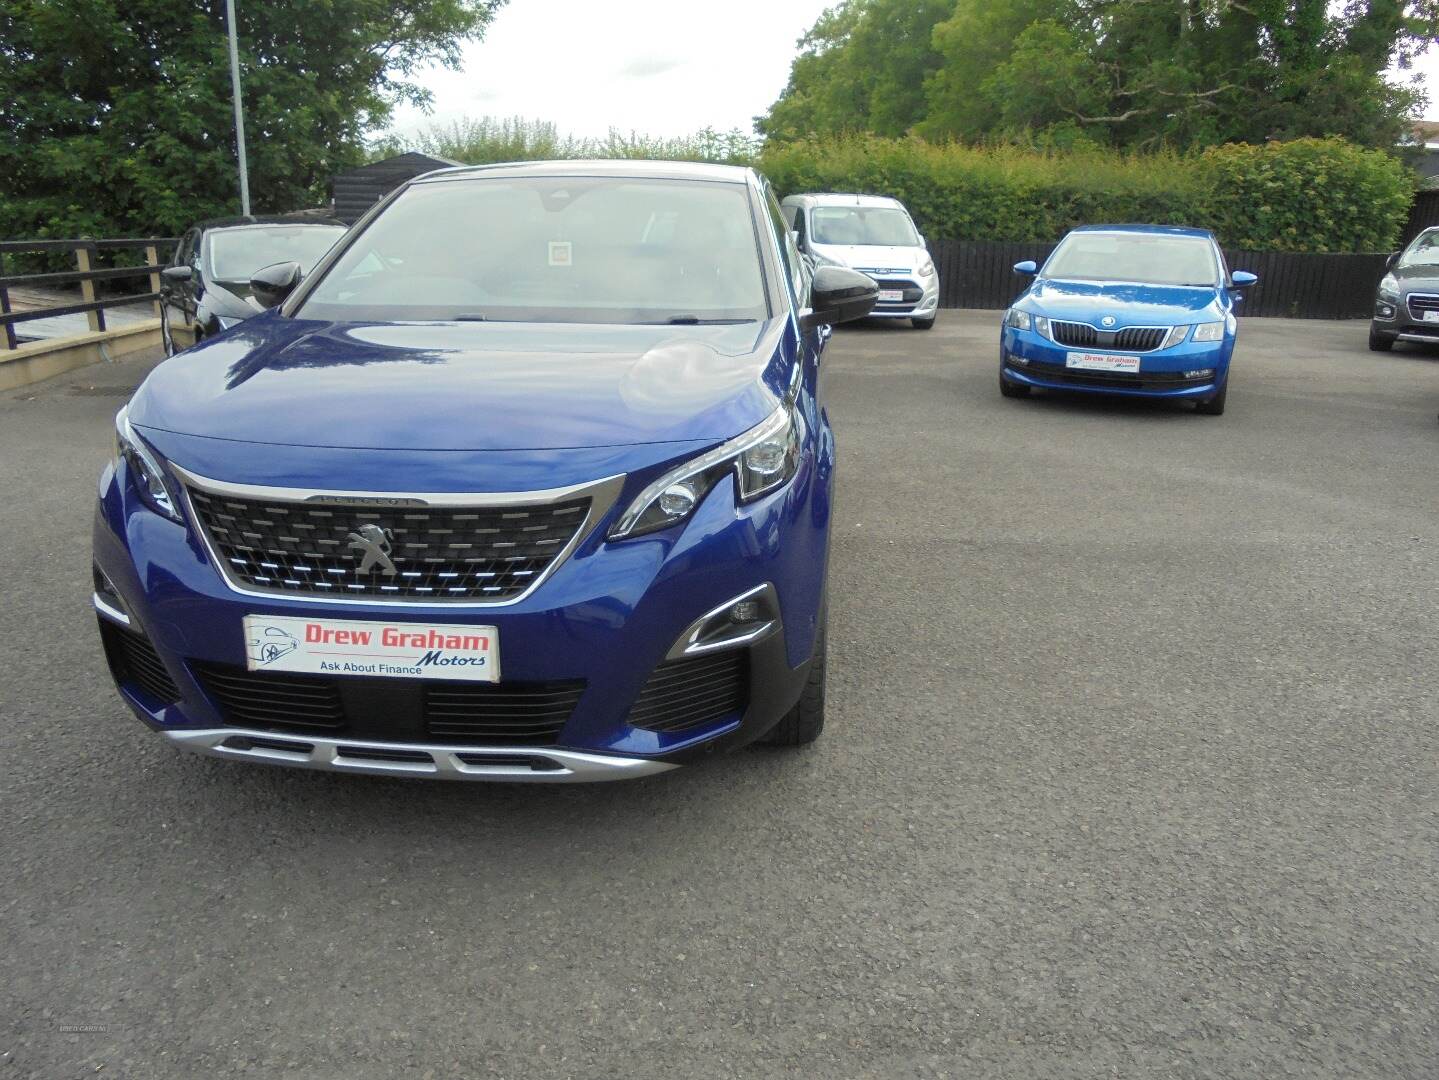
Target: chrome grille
454,553
1130,339
1420,303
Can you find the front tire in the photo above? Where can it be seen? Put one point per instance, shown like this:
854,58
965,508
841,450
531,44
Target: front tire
803,723
1379,342
1215,405
1013,389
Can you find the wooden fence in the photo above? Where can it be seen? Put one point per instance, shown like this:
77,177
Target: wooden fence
85,273
975,274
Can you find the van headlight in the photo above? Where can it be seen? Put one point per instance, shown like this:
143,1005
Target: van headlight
925,269
762,459
144,467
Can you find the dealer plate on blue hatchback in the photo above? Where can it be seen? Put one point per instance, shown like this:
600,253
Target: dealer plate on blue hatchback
1101,362
401,650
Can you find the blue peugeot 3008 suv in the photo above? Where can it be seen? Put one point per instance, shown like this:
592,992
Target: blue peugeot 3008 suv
529,480
1138,310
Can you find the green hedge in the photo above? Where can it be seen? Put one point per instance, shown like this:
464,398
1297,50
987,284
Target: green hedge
1308,195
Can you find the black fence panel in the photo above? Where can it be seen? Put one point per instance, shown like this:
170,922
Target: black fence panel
1423,214
975,274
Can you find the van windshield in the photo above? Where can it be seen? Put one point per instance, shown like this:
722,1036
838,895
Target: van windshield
552,249
1148,258
862,226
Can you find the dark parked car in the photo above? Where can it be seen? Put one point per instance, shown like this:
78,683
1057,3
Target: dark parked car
1407,305
207,289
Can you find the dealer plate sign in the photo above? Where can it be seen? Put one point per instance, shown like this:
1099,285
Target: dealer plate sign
401,650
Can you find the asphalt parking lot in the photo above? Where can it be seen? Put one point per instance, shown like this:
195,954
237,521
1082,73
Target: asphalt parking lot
1130,771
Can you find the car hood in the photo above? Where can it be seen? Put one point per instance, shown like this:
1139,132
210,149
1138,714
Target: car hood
467,386
232,299
1130,304
900,260
1417,276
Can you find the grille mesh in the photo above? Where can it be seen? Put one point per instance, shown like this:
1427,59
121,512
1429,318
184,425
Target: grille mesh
135,663
1131,338
437,553
684,694
397,710
1420,303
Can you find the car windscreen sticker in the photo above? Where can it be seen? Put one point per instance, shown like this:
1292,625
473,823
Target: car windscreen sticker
560,253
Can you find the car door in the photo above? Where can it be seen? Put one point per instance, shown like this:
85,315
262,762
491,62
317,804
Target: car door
176,303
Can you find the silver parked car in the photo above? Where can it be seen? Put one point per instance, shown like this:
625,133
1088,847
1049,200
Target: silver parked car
876,236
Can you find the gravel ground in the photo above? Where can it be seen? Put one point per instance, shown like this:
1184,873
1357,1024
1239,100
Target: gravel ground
1130,771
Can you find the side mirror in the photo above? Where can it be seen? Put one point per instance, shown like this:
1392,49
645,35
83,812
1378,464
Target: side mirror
174,275
839,294
1028,268
1242,279
1394,258
271,284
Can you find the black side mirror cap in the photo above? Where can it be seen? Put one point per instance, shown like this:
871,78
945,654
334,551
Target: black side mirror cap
839,294
271,284
174,275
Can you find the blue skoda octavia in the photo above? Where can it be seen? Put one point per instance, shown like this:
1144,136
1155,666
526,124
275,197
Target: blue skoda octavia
1138,310
530,479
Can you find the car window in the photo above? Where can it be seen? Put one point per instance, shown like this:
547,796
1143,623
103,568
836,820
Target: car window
872,226
235,254
1150,258
552,249
794,266
1424,251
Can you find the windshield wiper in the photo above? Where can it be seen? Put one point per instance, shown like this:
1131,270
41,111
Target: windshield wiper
695,320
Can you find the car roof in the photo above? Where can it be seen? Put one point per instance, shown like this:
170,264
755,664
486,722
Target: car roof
639,169
270,219
1163,230
839,198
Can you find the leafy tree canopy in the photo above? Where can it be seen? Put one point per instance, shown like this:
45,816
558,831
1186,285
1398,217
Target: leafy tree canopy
115,115
1130,73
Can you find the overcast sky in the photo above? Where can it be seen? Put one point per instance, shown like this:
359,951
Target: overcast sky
660,67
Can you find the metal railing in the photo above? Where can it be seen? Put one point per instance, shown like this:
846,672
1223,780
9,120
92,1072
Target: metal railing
85,252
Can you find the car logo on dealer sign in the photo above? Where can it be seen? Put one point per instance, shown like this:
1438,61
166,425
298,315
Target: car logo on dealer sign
372,543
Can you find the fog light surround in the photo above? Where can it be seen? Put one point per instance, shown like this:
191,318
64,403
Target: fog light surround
742,620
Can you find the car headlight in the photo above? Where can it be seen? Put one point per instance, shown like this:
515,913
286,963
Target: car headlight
1041,327
1175,336
761,460
925,267
1389,288
1020,320
141,462
1209,331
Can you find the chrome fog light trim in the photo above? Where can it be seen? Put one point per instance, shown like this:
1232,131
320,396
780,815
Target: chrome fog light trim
739,621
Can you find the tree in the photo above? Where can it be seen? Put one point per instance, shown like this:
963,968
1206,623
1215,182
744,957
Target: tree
861,67
1189,72
115,115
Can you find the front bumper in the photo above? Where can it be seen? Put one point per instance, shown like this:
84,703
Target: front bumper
921,298
606,619
1029,359
1397,321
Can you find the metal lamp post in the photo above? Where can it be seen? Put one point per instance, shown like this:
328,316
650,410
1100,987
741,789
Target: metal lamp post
239,109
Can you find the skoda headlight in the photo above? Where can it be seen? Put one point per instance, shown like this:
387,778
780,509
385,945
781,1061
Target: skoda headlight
141,462
1175,336
1209,331
1020,320
1389,288
761,460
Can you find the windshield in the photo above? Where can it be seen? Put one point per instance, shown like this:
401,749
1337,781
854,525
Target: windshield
862,226
1423,252
552,249
235,254
1150,258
